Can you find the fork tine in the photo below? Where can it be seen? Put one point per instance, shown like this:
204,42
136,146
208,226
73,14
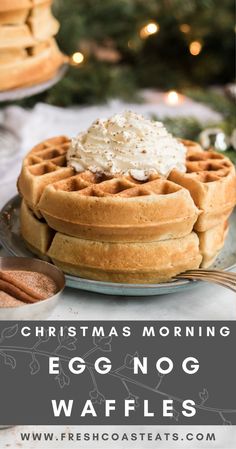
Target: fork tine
213,276
220,278
215,281
219,273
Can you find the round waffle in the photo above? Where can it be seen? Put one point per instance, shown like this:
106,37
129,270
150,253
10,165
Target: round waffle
37,64
211,242
91,225
138,262
211,181
39,25
94,207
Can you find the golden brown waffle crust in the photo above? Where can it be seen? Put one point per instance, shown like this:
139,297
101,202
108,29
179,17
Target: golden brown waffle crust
115,218
156,261
191,145
82,205
211,242
139,262
8,5
119,229
32,70
118,209
66,251
211,181
28,51
29,34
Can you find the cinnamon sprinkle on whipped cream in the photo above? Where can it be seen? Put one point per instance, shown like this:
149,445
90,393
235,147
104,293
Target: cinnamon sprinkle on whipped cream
127,144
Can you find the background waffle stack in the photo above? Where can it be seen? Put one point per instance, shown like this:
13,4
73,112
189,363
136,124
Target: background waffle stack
28,51
121,230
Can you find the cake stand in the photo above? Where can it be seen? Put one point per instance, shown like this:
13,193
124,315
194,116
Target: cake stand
9,141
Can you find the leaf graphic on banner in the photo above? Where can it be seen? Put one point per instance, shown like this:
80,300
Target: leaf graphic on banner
62,379
133,397
175,415
45,337
204,395
96,397
34,366
103,343
9,360
227,423
70,343
67,342
129,360
9,332
161,377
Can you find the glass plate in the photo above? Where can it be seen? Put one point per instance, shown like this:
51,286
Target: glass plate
12,241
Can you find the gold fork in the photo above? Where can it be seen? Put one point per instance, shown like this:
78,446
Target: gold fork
219,277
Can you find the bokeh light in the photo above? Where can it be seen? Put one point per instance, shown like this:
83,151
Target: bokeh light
172,98
185,28
149,29
195,48
77,58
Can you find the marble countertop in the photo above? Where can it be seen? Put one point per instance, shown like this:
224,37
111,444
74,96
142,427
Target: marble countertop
225,437
206,302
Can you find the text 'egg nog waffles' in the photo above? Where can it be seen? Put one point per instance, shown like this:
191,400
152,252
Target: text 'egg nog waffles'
126,202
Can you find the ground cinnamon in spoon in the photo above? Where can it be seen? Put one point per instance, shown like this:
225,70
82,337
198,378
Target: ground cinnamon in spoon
27,286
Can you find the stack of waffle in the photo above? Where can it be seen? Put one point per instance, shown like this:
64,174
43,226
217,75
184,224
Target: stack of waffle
211,181
122,230
28,51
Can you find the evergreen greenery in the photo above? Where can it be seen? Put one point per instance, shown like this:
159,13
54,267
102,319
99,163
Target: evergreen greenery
162,60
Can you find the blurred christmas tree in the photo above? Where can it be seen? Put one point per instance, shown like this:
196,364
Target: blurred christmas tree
120,45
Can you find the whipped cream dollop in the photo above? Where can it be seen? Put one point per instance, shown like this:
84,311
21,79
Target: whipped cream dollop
127,143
